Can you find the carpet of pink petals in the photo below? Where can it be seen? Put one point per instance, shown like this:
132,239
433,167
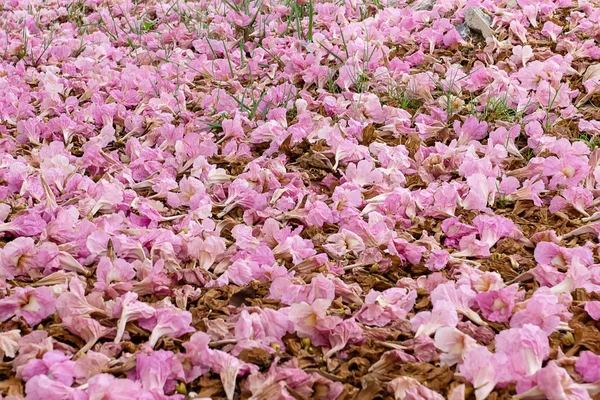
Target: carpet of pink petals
299,199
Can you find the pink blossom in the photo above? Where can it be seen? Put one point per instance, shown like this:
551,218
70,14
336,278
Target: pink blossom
311,320
405,387
41,387
482,192
127,308
405,251
526,348
167,321
491,229
454,344
28,224
14,257
552,254
555,382
483,369
107,386
567,171
363,174
551,30
158,371
460,297
471,129
543,309
54,364
427,323
86,328
92,364
576,197
593,309
345,333
33,304
339,244
380,308
497,305
437,260
588,366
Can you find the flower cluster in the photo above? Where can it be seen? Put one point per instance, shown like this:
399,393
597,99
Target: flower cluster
283,199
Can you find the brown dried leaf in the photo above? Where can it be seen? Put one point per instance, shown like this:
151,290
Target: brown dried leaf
586,337
369,135
258,356
242,297
12,387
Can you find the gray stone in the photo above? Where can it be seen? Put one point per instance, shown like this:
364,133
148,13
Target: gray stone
478,21
423,5
463,31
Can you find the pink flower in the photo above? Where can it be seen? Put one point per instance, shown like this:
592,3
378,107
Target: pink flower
406,388
158,371
260,329
114,276
206,251
318,213
497,305
14,257
471,129
295,248
530,190
86,328
576,197
105,386
526,348
593,309
228,368
455,231
91,364
380,308
482,192
483,369
460,297
168,321
426,323
127,309
54,364
33,304
445,201
311,320
345,333
405,251
320,287
493,228
343,242
551,30
41,387
454,345
28,224
74,301
567,171
521,54
588,366
437,260
552,254
554,382
363,174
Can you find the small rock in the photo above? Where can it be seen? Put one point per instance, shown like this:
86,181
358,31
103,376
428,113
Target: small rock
423,5
479,22
463,31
